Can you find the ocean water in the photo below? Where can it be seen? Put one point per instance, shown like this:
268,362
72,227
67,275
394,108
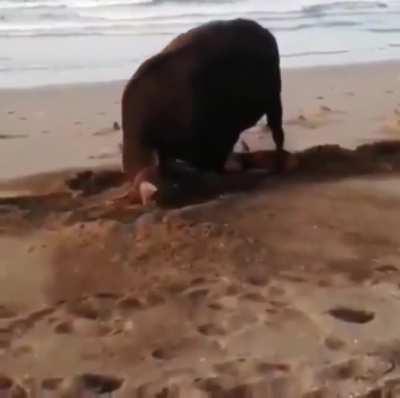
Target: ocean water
68,41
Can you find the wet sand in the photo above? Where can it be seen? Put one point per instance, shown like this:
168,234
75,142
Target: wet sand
268,286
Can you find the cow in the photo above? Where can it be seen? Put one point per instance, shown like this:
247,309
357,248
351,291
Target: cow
191,101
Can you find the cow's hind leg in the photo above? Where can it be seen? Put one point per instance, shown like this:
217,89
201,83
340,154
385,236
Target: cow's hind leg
275,121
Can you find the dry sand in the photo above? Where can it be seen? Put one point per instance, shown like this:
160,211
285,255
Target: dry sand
289,288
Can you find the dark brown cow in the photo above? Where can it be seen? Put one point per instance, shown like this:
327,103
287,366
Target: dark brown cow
193,99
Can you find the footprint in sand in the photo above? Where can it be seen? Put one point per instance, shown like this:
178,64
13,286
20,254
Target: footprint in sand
175,288
96,384
334,343
107,295
172,349
211,329
83,309
215,306
64,327
197,294
91,308
352,315
129,304
254,297
162,354
198,281
258,279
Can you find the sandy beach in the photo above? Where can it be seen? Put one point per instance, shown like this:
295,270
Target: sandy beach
288,287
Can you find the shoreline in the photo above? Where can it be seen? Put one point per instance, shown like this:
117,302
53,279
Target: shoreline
72,124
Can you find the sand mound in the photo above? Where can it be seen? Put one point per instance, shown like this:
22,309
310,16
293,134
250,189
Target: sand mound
323,161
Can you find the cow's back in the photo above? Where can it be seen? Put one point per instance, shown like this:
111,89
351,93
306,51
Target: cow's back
216,36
